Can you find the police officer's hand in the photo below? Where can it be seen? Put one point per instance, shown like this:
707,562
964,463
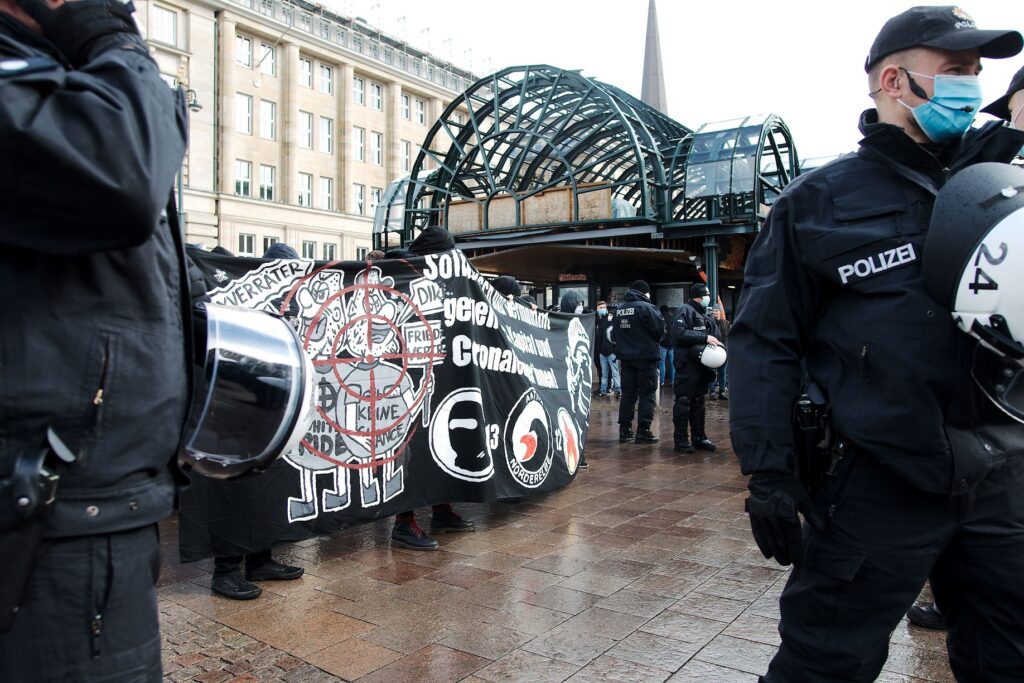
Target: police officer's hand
775,499
712,339
74,27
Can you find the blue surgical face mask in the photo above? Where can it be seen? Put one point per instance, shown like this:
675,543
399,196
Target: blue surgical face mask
951,109
602,311
706,300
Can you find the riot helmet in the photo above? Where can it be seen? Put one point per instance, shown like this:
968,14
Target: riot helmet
974,264
252,392
712,356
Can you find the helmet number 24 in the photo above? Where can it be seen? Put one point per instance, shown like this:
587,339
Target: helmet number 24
982,280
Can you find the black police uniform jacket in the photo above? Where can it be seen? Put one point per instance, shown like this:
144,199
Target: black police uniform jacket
638,328
834,280
690,329
91,327
605,343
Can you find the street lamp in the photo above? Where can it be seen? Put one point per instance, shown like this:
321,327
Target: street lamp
193,105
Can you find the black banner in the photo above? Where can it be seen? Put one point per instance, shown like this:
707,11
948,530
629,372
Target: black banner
431,388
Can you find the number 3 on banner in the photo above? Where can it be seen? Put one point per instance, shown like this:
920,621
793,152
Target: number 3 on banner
982,280
493,436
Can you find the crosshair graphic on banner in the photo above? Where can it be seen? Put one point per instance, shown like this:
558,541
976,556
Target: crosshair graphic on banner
373,375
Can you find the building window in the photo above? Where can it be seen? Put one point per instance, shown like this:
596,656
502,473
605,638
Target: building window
458,119
306,73
243,51
268,120
377,96
305,130
405,107
268,59
171,81
360,144
164,25
358,90
377,148
243,178
269,242
305,189
362,253
375,193
406,155
359,197
308,249
243,113
267,177
246,244
329,252
326,79
326,193
326,135
421,112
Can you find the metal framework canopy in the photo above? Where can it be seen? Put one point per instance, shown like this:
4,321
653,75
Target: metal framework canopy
537,146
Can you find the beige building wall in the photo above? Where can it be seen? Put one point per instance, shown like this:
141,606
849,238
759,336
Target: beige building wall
259,113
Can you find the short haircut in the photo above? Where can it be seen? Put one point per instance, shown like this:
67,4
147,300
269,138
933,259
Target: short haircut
905,58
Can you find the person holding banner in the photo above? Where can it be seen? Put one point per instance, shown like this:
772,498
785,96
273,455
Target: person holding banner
93,328
637,331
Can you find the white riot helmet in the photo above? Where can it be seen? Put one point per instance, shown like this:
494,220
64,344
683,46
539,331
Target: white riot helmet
974,263
252,393
711,355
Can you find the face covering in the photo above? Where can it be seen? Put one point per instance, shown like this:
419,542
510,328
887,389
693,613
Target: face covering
579,308
602,311
706,300
950,111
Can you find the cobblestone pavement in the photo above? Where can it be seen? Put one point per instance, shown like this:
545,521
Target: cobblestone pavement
642,570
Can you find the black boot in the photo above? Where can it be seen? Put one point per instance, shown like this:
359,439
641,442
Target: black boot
446,519
625,434
704,444
263,567
926,616
645,435
684,446
407,534
235,587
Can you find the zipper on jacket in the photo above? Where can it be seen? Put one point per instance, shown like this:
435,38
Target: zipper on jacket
96,628
863,355
98,398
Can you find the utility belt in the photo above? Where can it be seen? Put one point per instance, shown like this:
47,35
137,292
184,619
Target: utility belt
26,502
819,450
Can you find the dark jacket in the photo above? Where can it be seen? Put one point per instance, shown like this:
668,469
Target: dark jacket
834,281
638,328
91,276
605,343
691,327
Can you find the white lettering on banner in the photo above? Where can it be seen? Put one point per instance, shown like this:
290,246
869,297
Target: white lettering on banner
258,288
528,343
878,263
467,352
465,309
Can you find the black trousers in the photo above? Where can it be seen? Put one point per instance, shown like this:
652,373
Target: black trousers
861,575
639,384
90,613
688,407
232,564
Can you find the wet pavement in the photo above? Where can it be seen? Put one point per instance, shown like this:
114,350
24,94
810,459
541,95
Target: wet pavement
642,570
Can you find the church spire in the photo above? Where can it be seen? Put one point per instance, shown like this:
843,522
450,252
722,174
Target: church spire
652,91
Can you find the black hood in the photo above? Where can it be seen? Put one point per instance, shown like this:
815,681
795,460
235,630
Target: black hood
433,240
633,295
280,250
569,301
506,284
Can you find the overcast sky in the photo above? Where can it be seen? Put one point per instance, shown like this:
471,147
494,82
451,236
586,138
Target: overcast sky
722,58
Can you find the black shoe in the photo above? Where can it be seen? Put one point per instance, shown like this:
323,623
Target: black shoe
926,616
625,434
235,587
618,394
723,395
273,571
704,444
684,447
409,535
448,520
646,436
584,465
713,396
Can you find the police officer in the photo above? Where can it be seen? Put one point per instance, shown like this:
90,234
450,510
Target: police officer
91,330
693,328
637,333
1010,107
917,481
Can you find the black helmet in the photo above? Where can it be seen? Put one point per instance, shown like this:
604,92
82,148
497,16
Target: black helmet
974,264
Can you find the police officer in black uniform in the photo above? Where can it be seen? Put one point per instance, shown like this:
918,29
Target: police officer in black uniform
918,479
637,331
692,329
92,348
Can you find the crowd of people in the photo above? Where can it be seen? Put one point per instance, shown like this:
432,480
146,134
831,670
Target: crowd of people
924,467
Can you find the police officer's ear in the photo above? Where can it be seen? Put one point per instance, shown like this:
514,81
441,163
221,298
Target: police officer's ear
891,81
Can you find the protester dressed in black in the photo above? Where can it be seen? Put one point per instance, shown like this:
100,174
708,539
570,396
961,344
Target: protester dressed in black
926,473
637,330
692,329
92,291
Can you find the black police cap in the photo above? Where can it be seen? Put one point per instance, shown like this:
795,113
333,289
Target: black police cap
1001,107
945,28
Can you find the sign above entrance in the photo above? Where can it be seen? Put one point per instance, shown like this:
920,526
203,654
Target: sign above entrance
572,277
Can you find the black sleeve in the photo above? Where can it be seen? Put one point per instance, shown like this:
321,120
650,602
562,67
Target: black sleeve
778,302
656,324
683,333
90,155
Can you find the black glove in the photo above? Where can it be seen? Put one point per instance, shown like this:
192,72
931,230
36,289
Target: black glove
773,504
75,26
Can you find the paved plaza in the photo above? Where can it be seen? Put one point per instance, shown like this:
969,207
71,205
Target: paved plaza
643,569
